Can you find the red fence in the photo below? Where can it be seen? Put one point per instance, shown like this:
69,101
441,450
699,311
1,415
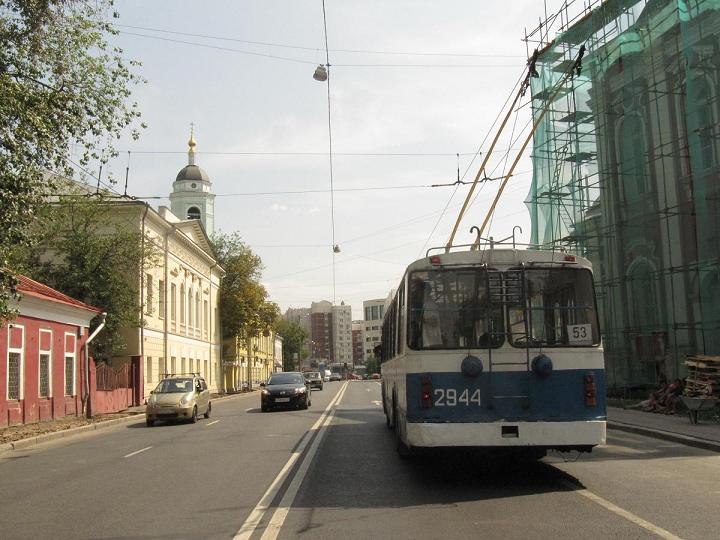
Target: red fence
111,390
108,378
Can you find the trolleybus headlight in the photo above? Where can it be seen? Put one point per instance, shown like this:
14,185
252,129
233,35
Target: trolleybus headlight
542,365
590,390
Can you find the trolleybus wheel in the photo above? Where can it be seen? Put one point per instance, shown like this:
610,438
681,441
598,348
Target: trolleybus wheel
403,450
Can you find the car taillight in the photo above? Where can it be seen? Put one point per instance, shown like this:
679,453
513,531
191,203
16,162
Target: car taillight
426,392
590,390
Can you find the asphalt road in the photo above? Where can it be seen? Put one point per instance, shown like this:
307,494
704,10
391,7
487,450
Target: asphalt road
332,471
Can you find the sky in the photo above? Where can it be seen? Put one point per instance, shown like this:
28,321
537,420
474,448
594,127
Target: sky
412,84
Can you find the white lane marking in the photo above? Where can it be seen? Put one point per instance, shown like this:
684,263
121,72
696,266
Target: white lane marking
278,518
378,403
250,409
253,520
637,520
137,452
211,423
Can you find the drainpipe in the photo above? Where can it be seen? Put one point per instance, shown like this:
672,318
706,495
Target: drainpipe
86,389
221,386
136,398
166,284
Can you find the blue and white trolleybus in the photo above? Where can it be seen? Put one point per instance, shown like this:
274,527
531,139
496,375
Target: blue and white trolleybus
495,349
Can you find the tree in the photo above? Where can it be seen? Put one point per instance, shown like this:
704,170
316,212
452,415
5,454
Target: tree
372,365
244,308
80,251
294,339
62,84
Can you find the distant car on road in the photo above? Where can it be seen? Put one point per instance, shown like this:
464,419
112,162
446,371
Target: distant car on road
178,398
288,389
375,376
335,377
314,378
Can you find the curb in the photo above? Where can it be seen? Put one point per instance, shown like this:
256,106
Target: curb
705,444
51,436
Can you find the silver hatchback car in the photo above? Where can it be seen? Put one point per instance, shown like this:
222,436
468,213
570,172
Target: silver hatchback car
178,398
314,378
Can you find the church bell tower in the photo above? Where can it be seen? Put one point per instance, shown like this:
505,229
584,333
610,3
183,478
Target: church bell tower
191,197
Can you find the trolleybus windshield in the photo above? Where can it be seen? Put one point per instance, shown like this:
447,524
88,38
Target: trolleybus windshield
449,309
558,309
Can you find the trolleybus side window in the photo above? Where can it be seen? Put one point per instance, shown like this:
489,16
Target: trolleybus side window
450,309
559,310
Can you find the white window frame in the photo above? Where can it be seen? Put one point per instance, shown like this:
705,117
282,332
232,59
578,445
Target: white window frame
148,369
73,354
161,299
173,302
149,294
21,350
49,352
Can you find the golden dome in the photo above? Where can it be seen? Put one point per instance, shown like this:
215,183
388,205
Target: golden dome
191,143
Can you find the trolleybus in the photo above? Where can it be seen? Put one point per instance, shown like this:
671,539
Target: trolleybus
495,349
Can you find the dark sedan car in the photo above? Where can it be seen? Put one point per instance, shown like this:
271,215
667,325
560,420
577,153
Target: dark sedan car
287,389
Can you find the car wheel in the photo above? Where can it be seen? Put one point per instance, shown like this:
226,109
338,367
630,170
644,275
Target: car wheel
321,387
149,422
306,404
207,413
193,418
263,408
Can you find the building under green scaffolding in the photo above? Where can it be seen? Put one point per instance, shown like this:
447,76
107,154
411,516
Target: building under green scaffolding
626,172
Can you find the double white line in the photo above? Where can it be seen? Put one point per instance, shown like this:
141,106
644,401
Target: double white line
281,512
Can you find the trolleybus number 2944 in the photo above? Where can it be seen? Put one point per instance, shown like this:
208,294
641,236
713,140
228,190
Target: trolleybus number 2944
448,397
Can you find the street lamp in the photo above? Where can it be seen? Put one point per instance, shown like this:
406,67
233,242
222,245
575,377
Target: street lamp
320,74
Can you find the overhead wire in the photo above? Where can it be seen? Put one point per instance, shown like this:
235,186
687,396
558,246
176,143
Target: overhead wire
477,153
330,150
310,62
314,49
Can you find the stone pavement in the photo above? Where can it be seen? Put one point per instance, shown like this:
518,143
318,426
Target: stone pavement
677,427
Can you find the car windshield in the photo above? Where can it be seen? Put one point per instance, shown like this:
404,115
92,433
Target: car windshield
174,386
286,378
313,375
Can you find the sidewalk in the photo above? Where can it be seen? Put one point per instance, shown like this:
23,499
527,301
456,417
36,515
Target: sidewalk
676,428
126,416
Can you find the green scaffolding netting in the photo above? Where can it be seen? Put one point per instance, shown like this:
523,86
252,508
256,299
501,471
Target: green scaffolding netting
626,163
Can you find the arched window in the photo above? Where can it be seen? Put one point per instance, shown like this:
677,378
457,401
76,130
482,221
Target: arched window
710,302
193,212
644,295
705,121
633,160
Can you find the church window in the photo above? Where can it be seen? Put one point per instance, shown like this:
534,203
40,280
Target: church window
193,213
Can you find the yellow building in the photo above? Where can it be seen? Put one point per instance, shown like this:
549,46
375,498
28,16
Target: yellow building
264,359
179,287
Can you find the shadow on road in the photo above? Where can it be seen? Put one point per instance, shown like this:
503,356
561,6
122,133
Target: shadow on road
359,445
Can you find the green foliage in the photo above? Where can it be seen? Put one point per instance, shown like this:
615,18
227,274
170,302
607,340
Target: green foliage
372,365
62,86
80,251
294,340
244,308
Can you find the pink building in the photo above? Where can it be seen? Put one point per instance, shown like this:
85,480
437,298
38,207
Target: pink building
42,356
